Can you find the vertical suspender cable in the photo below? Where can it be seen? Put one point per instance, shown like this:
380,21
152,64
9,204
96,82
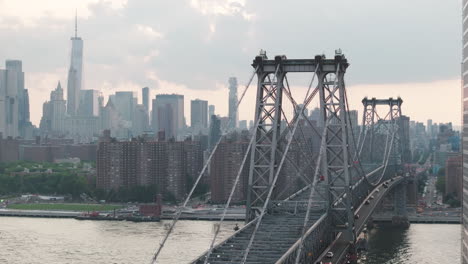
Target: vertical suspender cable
233,189
179,211
278,170
312,191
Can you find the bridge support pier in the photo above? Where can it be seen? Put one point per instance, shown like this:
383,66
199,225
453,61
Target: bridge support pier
400,217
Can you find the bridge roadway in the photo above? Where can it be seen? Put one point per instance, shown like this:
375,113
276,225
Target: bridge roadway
279,231
339,247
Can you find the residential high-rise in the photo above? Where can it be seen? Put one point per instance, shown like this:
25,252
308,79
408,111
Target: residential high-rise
167,164
146,98
404,131
199,114
233,115
224,169
465,131
453,176
75,74
215,131
168,114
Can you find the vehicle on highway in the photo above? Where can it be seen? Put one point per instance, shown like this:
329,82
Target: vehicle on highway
372,197
377,190
367,202
329,254
356,216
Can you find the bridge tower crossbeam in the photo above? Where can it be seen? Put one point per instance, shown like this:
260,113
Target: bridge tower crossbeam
374,123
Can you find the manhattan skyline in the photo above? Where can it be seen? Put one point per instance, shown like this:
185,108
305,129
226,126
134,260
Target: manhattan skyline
126,52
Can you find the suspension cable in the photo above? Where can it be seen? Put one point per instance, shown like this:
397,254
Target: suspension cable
236,181
208,161
312,191
297,114
298,170
270,191
357,158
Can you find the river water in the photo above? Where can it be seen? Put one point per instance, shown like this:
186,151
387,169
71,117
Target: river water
420,243
38,240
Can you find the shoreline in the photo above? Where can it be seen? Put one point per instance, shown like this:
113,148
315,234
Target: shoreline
75,214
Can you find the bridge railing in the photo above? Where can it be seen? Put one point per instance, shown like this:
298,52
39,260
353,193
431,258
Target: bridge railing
316,239
296,207
201,258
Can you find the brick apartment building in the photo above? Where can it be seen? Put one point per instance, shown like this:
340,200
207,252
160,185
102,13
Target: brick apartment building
224,169
454,176
144,161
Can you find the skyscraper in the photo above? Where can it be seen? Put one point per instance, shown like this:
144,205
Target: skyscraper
315,115
109,118
89,103
353,117
224,168
168,114
243,124
124,103
429,128
211,111
465,120
13,99
75,73
53,113
233,116
146,98
23,96
199,114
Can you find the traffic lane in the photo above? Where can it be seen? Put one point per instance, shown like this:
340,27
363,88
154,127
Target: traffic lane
366,210
339,252
340,247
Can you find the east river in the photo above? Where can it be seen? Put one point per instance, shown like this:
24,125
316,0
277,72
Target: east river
39,240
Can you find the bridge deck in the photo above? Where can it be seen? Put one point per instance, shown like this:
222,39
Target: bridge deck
339,246
276,234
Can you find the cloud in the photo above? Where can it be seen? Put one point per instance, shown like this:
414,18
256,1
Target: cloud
196,45
149,32
222,8
28,12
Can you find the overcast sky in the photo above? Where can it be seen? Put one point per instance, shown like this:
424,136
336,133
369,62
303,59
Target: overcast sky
401,48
